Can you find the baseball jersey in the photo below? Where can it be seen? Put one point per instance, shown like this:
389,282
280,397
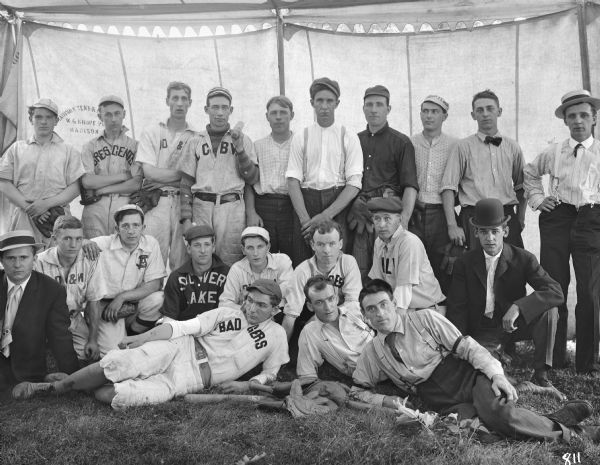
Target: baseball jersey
41,171
123,270
340,346
84,281
344,275
403,261
328,164
162,148
215,172
188,295
233,347
103,158
279,269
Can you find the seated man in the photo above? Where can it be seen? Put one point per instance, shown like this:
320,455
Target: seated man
258,263
329,260
400,259
337,336
195,287
84,282
33,314
180,357
488,299
133,269
423,351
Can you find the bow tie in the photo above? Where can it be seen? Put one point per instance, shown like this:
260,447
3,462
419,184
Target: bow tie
493,140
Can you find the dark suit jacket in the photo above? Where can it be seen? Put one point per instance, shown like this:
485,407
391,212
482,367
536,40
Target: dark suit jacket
42,319
515,268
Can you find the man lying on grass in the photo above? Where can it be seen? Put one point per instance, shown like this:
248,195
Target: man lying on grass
181,357
424,352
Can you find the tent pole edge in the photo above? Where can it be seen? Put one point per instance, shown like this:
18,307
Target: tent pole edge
583,44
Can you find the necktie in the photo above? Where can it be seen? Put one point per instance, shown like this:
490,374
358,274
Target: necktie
390,341
489,294
493,140
577,147
13,300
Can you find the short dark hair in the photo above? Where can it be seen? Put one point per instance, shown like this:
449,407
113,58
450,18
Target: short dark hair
373,287
487,93
282,101
325,226
178,85
67,222
119,215
318,283
253,235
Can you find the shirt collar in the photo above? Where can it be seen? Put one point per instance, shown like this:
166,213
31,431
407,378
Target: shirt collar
493,257
380,131
398,327
586,143
188,127
56,139
482,136
124,130
10,284
395,236
115,243
434,141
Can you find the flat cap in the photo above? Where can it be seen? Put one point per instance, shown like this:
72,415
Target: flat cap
324,83
437,100
111,99
195,232
47,104
266,287
385,204
378,90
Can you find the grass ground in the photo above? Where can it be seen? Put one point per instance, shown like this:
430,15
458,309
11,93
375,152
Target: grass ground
76,429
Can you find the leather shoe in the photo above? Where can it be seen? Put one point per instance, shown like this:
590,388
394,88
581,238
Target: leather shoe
540,377
591,432
572,413
25,390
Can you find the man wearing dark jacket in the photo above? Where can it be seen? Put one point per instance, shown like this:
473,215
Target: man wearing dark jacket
33,313
488,300
196,286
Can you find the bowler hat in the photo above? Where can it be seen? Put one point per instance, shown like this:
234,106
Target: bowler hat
489,213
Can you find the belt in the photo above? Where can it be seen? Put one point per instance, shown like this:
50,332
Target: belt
433,206
322,191
217,198
273,196
169,193
441,303
203,365
586,206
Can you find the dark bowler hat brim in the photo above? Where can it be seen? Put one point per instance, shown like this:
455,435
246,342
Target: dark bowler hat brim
19,238
489,213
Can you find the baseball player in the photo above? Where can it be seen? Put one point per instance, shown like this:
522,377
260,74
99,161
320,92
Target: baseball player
160,154
195,288
133,270
399,258
111,174
328,260
337,335
258,263
39,175
85,285
179,357
218,163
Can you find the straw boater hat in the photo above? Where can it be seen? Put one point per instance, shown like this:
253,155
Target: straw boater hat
489,213
573,98
19,238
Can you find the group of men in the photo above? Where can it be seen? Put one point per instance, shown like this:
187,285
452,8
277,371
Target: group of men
351,242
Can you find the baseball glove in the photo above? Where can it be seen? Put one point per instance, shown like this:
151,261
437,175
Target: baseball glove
451,253
300,405
333,390
88,196
46,226
146,199
359,216
127,309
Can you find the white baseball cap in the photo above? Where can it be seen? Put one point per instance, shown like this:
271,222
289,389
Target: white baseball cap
256,231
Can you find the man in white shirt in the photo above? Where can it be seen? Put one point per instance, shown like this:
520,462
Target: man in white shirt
570,225
324,170
399,258
181,357
337,336
258,263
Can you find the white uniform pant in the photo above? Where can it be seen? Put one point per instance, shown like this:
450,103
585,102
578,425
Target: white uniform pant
98,218
155,372
228,220
162,222
109,333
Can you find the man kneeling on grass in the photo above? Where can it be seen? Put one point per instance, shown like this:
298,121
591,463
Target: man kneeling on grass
424,352
180,357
